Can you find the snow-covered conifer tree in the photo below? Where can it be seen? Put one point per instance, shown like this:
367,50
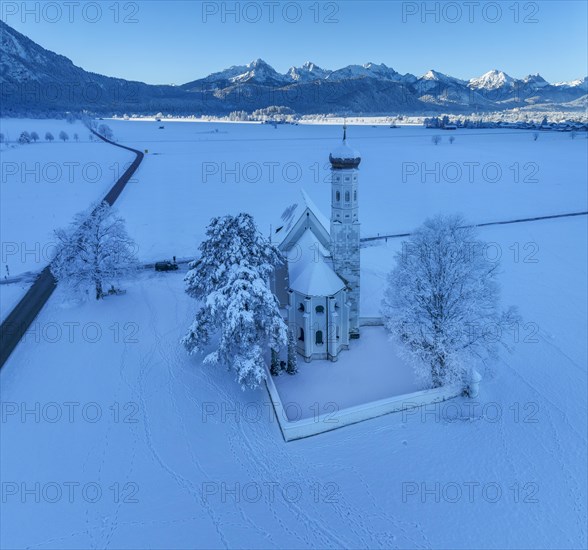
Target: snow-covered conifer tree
230,279
292,365
274,363
442,301
96,249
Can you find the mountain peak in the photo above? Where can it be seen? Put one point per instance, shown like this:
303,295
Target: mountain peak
436,75
258,63
308,72
370,87
492,80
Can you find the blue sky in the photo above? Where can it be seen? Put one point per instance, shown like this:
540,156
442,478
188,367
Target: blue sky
178,41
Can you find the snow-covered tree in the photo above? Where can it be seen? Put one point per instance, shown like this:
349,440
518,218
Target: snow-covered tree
436,139
94,250
275,363
24,138
35,136
442,302
292,364
105,131
76,137
230,280
63,136
49,137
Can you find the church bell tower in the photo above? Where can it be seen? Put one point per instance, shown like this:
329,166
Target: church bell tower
345,228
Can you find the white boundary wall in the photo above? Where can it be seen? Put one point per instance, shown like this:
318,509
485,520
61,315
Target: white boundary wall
307,427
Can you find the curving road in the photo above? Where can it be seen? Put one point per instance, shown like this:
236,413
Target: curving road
20,318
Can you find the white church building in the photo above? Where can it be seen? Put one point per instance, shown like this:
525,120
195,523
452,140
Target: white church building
319,287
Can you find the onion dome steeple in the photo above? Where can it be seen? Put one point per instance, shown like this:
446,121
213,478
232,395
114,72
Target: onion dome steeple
344,157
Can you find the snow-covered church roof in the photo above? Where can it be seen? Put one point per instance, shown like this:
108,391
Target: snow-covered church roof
291,218
309,268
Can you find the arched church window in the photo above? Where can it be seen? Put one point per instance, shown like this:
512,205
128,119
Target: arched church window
338,195
301,335
319,337
320,310
355,195
347,196
301,307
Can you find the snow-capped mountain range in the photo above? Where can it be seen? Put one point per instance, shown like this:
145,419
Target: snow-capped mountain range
37,81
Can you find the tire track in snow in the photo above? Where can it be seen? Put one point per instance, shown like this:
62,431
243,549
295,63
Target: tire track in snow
182,481
259,469
559,455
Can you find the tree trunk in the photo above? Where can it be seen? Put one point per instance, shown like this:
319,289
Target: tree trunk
99,292
437,371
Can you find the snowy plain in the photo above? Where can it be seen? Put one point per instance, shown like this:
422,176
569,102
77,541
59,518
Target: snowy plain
205,461
44,184
198,170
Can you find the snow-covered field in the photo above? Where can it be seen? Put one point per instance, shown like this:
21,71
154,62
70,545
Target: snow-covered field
128,442
10,295
198,170
44,184
520,447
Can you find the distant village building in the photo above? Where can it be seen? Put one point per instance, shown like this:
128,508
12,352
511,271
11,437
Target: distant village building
319,288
